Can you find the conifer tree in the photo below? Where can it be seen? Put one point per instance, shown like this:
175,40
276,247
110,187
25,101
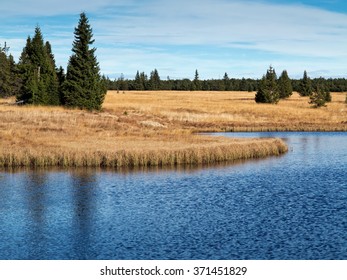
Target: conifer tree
144,80
37,67
226,81
5,73
15,82
61,79
83,87
319,95
268,91
196,85
52,81
154,80
138,84
285,85
305,88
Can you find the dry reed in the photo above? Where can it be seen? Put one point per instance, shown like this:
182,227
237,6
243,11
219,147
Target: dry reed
148,158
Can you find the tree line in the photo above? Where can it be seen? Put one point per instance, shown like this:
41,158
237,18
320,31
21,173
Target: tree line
142,81
269,89
36,79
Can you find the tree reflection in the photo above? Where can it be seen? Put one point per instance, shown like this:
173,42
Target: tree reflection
84,208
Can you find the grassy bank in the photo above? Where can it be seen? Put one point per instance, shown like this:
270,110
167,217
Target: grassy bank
200,155
155,129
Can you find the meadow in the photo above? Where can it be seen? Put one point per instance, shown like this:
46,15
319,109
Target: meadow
156,128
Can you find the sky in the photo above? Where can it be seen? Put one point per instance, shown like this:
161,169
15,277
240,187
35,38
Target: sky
176,37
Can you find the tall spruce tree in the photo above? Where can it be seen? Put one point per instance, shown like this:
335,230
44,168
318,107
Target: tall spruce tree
305,87
268,91
5,72
196,84
83,87
138,84
154,80
285,85
37,67
144,80
226,81
52,79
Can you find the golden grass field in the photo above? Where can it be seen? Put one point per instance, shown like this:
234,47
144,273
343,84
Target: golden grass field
156,129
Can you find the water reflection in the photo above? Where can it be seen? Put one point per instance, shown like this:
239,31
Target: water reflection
84,206
35,205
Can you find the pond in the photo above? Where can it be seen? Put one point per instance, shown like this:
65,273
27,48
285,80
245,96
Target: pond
288,207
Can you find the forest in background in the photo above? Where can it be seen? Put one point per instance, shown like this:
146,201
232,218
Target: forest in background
142,81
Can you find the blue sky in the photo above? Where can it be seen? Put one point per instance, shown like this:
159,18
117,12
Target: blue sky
176,37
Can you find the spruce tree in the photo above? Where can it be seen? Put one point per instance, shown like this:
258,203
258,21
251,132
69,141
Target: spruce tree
305,87
37,67
226,81
325,88
144,80
285,85
38,60
319,96
61,79
5,73
83,87
196,85
52,80
268,91
154,80
138,83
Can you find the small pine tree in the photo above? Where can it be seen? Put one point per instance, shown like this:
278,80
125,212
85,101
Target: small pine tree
319,96
268,91
327,94
285,85
305,87
83,87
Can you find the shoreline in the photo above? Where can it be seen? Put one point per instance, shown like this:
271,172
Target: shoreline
204,155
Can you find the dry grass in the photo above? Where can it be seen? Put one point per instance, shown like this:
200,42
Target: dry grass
156,129
232,111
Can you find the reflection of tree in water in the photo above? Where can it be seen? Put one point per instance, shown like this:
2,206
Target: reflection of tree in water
84,207
35,194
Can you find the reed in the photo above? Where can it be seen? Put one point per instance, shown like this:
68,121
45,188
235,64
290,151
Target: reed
201,155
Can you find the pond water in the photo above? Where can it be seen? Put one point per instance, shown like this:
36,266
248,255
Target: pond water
288,207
